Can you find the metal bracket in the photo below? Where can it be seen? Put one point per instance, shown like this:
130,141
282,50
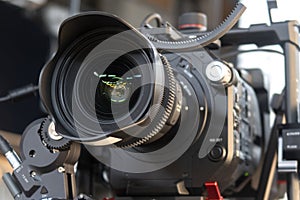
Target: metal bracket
285,166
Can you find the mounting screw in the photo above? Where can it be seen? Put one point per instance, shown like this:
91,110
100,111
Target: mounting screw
32,174
218,72
61,170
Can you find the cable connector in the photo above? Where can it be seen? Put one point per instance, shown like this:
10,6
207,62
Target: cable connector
9,153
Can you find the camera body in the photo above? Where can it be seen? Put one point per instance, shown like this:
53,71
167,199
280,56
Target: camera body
231,158
208,124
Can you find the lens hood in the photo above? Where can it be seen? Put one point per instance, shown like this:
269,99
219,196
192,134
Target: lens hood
83,28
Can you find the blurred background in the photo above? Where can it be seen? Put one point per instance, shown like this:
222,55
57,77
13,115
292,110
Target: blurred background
28,37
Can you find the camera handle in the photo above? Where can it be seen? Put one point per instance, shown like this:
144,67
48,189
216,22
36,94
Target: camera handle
287,35
292,115
285,106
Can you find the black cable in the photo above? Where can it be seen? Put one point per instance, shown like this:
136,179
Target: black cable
4,99
19,93
4,145
235,53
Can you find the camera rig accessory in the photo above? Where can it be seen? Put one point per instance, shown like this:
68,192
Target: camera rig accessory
286,34
41,172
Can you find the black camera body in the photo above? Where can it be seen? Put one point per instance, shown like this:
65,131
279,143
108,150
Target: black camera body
208,126
232,158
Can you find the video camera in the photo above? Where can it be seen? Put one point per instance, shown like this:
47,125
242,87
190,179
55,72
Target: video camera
162,115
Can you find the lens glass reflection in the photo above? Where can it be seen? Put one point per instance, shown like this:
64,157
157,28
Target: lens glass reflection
118,88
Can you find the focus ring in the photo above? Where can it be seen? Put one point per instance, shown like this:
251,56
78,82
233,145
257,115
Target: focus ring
168,108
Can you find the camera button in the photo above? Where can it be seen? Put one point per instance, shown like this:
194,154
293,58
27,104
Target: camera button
217,153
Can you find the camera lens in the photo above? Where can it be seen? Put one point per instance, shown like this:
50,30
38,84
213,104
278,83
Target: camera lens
109,84
106,92
118,86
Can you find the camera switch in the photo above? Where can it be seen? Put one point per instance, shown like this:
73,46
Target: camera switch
217,153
